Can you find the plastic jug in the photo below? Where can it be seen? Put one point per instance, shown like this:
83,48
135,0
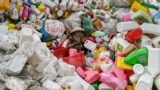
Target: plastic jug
154,61
145,82
139,56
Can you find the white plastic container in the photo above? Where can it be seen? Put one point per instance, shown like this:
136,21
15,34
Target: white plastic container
127,26
156,42
121,44
145,40
150,28
154,61
145,82
134,78
138,69
157,82
90,45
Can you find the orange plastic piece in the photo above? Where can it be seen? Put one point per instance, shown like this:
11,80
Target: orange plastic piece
4,4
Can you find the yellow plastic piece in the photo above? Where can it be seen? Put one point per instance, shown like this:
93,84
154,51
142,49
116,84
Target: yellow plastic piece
97,52
122,65
49,43
134,85
4,4
132,1
42,7
18,6
136,6
66,14
11,26
54,15
129,87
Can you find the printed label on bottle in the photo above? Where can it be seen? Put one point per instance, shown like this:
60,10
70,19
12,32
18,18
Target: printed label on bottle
142,59
119,47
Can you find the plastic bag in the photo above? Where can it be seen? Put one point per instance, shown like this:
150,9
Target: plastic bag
52,28
86,23
73,20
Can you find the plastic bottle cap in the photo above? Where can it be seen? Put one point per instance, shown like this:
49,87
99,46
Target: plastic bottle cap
42,7
134,35
138,69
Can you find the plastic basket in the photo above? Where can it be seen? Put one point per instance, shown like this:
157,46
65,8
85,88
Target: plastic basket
60,52
77,60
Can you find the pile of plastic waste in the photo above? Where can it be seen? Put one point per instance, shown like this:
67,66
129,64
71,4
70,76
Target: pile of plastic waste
79,45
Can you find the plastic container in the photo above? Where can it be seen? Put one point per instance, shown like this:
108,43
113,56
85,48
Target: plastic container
127,26
157,82
77,60
145,82
156,42
150,28
139,56
154,61
121,64
138,69
60,52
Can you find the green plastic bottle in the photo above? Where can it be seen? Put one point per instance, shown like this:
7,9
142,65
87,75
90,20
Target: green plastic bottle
139,56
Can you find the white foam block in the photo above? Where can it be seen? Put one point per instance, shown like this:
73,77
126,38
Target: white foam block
127,26
17,64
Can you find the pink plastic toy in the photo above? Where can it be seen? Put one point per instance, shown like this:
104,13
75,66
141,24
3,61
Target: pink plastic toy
113,81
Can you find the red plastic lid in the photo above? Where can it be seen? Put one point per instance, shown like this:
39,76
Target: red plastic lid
133,35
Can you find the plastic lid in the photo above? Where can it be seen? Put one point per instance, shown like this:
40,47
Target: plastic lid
134,35
138,69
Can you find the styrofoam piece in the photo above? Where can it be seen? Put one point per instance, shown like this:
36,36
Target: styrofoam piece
127,26
138,69
14,83
25,38
145,82
50,85
90,45
150,28
49,3
154,61
3,29
17,64
36,38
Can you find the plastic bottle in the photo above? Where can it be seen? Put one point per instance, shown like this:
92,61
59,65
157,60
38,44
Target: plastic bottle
154,61
145,82
139,56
